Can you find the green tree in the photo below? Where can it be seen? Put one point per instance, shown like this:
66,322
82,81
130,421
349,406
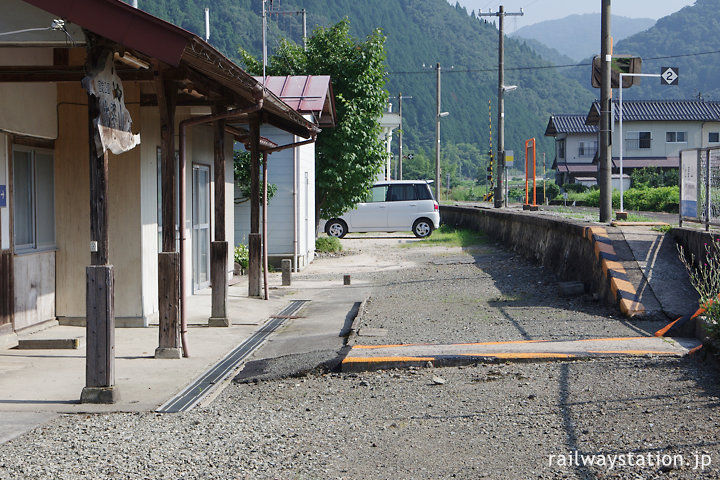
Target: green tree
241,167
349,156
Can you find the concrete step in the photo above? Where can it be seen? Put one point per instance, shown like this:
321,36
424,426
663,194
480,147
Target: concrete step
49,343
367,357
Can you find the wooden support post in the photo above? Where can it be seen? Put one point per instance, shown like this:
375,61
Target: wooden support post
254,239
169,283
218,267
100,346
254,245
169,345
219,248
100,285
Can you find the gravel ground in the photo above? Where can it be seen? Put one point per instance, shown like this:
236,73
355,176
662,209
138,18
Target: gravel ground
650,417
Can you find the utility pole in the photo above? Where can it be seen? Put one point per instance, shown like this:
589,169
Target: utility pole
399,174
501,14
264,38
437,139
272,12
605,178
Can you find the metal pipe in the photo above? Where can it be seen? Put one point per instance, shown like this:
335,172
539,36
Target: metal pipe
265,217
183,198
295,208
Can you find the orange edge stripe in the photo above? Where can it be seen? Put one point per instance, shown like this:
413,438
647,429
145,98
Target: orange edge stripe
386,359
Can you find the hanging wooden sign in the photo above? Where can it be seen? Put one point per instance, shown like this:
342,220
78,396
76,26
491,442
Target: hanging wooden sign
112,130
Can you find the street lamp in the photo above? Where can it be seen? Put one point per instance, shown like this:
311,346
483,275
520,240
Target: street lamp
437,150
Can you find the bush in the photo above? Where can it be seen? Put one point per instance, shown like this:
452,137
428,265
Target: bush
661,199
574,187
552,190
328,245
242,255
650,177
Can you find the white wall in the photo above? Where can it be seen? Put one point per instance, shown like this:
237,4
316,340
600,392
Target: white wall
28,109
281,234
150,120
572,148
306,202
659,147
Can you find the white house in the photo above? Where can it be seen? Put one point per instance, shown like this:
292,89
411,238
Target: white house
291,211
575,148
654,131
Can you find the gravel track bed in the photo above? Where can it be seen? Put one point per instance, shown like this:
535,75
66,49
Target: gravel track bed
490,421
482,294
503,421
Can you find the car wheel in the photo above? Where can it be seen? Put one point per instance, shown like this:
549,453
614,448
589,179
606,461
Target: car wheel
422,228
336,228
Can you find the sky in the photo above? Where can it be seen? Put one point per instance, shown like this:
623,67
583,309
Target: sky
541,10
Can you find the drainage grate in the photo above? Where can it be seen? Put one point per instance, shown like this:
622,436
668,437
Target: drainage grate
202,386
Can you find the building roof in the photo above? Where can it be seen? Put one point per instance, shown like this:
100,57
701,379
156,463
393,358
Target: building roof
153,40
307,94
659,110
568,123
640,162
577,167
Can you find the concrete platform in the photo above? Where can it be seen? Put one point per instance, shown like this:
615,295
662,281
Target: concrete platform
39,384
363,358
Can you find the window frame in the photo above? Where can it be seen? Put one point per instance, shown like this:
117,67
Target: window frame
672,137
717,137
634,141
36,214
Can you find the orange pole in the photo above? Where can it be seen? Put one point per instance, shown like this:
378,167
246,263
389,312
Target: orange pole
526,173
534,175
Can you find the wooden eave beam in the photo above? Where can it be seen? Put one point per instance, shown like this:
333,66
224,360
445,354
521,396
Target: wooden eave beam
63,73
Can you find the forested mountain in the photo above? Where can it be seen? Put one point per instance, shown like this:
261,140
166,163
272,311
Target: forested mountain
687,39
419,33
550,54
578,36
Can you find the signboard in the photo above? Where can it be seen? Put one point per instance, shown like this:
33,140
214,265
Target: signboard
618,64
509,158
3,194
113,124
688,183
669,75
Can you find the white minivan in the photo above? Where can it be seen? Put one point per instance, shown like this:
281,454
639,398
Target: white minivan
391,206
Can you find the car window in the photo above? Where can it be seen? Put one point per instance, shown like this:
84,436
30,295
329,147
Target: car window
377,193
423,191
401,193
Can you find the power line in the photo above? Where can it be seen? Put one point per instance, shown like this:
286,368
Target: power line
547,67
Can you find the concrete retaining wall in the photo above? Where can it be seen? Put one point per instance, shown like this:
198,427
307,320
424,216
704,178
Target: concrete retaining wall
561,245
693,242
